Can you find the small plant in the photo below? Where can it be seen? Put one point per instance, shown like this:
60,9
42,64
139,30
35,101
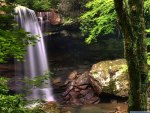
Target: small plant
16,103
39,80
9,103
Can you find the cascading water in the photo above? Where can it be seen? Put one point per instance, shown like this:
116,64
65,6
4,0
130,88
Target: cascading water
44,20
35,60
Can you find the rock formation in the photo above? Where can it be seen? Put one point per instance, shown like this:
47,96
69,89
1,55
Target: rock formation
105,77
79,90
110,77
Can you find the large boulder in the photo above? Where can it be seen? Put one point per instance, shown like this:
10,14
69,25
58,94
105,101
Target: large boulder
110,77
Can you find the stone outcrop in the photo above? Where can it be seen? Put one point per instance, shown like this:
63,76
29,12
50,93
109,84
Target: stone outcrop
87,87
78,90
110,77
52,17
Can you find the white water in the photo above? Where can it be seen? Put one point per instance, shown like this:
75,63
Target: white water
35,60
44,20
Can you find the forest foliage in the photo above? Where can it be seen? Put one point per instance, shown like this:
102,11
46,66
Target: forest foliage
14,40
37,5
13,43
100,18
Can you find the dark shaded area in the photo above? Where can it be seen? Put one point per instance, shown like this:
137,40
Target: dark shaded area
65,50
107,98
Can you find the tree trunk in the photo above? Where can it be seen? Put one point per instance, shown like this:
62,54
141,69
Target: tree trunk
132,24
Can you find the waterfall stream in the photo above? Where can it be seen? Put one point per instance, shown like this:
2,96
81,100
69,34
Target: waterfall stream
35,59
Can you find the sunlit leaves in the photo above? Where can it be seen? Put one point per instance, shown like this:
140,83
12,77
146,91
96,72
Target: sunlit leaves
99,19
147,13
14,43
3,85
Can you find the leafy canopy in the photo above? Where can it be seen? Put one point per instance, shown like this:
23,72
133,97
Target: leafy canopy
13,43
101,18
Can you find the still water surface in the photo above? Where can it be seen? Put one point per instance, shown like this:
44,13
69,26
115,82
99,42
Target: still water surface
100,108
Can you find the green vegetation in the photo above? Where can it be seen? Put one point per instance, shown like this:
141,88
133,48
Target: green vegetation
16,104
147,13
13,40
101,19
13,43
9,103
38,5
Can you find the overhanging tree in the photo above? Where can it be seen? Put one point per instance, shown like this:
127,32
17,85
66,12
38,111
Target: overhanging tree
99,19
102,18
131,20
13,40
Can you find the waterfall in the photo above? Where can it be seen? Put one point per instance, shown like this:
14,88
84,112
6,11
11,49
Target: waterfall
44,20
35,59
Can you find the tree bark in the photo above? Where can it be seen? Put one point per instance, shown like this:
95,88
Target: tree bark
131,20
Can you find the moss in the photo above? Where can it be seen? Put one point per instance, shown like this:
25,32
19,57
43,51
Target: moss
112,76
111,88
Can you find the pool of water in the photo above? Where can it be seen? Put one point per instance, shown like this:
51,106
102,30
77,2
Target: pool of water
100,108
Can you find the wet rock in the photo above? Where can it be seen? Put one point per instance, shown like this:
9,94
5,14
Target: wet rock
73,75
79,90
67,91
57,81
67,97
73,83
84,92
83,79
83,87
97,101
51,107
94,100
67,82
75,101
74,94
76,89
110,77
89,95
97,86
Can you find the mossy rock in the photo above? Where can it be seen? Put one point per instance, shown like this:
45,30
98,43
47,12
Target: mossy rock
51,107
110,77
